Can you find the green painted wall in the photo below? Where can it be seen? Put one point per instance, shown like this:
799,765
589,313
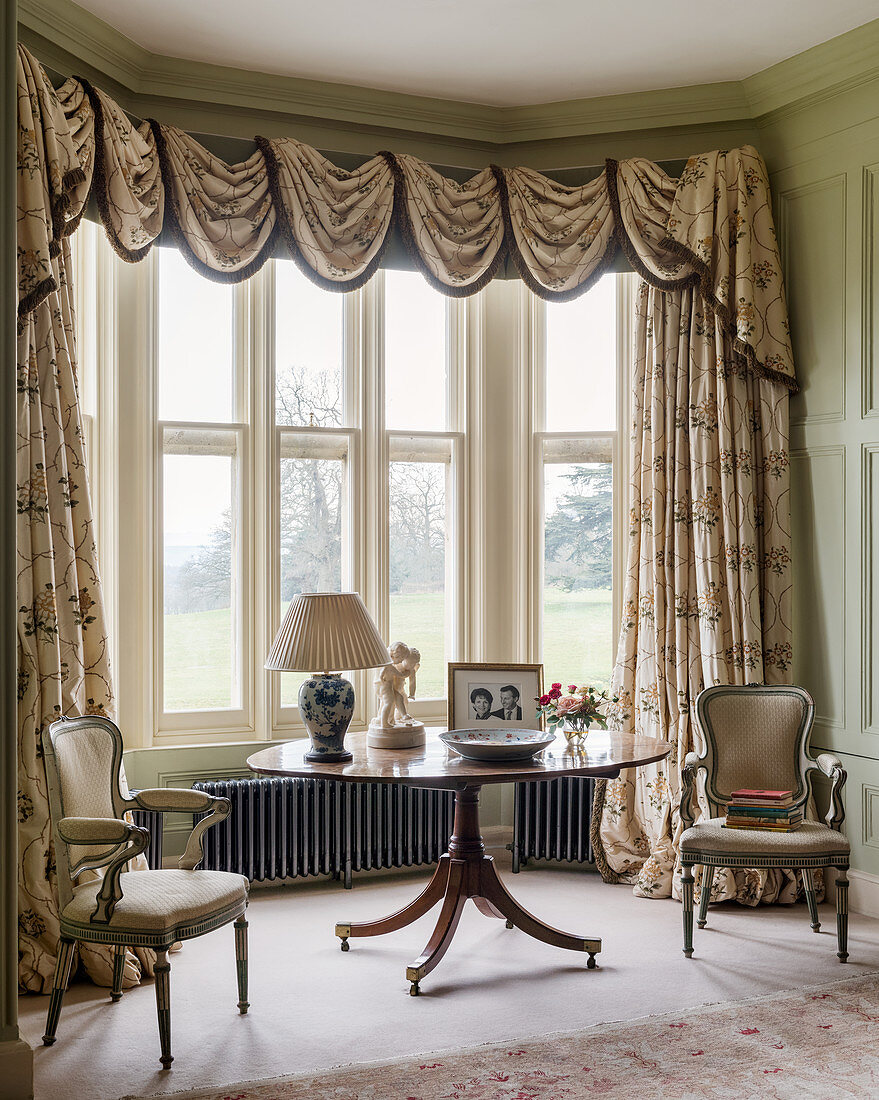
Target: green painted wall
823,158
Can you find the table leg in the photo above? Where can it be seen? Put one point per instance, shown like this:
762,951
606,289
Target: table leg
450,914
425,901
500,898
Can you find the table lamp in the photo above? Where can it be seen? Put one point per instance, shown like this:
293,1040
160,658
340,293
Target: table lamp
327,630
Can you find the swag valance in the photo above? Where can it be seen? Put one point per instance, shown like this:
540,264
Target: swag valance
712,227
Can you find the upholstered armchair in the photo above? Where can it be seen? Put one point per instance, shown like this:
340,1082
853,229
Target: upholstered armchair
128,908
758,737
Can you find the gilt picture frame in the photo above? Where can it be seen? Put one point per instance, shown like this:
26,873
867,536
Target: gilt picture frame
494,695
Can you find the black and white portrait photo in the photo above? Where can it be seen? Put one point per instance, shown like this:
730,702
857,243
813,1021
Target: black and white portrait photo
494,696
482,700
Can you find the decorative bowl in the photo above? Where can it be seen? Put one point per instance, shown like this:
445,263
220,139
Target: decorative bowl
497,744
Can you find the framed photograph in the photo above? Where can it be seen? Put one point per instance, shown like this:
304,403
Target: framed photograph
496,696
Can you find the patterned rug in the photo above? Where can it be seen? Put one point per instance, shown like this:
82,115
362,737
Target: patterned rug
807,1043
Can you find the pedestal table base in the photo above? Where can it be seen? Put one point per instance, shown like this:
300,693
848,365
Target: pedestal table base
465,871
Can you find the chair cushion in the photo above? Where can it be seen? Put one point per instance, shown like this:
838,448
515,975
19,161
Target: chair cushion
160,906
813,842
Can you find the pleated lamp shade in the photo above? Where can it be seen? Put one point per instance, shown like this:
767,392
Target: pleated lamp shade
325,632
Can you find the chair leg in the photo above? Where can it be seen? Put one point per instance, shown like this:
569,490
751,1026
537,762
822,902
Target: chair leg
241,963
59,985
842,912
809,887
162,970
687,881
705,897
118,971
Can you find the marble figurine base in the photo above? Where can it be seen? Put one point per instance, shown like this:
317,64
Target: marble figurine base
397,737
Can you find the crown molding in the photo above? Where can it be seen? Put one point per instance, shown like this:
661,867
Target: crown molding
72,40
830,69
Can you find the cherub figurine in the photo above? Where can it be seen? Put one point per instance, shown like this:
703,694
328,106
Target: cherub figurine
389,683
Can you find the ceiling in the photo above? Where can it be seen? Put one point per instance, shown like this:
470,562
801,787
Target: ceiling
498,52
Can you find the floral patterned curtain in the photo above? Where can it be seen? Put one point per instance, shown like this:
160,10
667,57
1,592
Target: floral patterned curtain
707,597
62,641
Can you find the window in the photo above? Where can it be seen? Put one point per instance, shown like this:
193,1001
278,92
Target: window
249,442
202,432
578,474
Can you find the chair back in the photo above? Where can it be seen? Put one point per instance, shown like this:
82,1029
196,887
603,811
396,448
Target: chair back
755,737
83,763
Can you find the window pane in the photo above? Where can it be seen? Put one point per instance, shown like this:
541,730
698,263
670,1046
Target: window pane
578,573
196,343
308,350
200,628
311,540
415,353
581,361
417,514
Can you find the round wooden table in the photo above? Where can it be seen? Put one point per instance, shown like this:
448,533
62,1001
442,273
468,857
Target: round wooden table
464,871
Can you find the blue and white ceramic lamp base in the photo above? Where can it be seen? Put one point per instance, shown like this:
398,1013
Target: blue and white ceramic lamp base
326,703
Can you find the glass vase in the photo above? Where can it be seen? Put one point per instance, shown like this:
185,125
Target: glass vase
575,731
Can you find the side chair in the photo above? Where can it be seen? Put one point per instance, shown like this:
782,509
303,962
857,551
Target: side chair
129,908
758,737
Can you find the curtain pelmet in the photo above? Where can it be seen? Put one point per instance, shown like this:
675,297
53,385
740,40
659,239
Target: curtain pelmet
712,227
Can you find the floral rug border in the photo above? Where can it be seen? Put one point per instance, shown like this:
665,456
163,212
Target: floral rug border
693,1014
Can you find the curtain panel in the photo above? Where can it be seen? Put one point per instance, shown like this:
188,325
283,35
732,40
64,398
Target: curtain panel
708,590
63,665
713,376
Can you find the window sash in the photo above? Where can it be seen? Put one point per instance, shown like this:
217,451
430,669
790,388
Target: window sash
220,441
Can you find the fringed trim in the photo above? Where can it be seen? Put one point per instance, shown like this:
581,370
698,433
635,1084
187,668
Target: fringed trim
521,266
99,182
407,232
173,221
30,301
604,868
743,353
61,228
286,231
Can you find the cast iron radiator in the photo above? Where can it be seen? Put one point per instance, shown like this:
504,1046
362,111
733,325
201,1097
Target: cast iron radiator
551,821
151,821
290,828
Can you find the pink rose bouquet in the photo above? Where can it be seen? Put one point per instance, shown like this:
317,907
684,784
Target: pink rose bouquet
574,710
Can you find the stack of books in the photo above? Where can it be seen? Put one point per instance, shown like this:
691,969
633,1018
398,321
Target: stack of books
758,809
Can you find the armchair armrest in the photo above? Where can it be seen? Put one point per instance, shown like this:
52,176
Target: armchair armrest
93,830
832,767
126,841
184,800
171,800
692,763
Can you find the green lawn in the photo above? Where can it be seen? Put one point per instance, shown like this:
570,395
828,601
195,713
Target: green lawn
577,639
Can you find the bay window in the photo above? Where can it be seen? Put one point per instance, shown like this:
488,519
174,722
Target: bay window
250,442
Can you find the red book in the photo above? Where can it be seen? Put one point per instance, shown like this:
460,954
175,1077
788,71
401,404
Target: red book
766,796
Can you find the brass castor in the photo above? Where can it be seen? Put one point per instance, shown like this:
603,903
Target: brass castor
509,924
415,990
345,945
701,923
591,964
688,951
114,997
